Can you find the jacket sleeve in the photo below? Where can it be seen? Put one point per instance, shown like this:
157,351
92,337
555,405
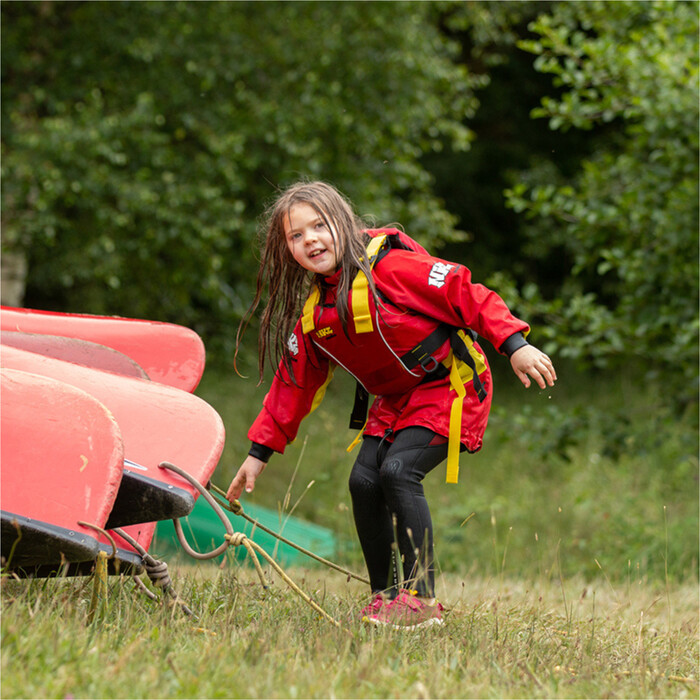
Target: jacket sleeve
444,291
288,402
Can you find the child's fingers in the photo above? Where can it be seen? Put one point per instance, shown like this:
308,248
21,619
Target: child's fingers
531,362
543,375
249,483
245,478
541,383
547,371
234,491
547,368
237,486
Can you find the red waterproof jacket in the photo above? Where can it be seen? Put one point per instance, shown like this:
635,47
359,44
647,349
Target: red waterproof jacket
417,292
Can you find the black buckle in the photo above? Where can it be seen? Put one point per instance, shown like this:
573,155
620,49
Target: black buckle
425,362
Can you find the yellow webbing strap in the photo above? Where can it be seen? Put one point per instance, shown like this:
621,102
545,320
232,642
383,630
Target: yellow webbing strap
360,290
455,423
307,315
460,374
478,358
321,391
360,304
360,296
357,439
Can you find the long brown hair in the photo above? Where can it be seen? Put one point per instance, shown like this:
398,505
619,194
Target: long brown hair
287,283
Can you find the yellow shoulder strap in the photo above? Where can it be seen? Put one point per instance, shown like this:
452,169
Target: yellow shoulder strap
360,296
360,290
307,315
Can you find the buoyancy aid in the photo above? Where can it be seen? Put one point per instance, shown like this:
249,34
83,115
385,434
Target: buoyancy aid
406,348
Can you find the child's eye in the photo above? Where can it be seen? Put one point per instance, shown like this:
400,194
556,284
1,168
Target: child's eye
320,225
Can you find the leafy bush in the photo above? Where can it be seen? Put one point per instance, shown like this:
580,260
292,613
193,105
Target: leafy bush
628,219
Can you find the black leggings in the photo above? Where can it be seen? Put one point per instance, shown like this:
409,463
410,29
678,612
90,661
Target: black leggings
385,481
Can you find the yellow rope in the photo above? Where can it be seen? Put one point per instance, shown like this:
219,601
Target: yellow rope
233,538
237,509
239,538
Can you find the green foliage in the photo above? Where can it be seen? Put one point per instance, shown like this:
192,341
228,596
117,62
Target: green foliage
628,219
142,140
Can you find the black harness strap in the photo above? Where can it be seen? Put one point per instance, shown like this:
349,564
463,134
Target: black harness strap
358,417
422,354
461,351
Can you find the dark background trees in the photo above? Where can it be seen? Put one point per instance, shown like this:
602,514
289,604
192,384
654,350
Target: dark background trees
140,142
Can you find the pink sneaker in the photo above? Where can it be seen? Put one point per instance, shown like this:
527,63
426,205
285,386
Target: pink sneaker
408,612
369,612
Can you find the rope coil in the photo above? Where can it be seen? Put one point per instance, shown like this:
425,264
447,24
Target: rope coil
159,569
237,539
158,573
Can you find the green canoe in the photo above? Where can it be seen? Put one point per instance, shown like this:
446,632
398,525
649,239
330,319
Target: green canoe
204,532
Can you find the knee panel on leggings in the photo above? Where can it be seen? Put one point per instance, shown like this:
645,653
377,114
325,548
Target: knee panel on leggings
362,479
410,458
396,473
364,475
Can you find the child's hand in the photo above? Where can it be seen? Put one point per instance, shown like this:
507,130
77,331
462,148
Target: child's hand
528,360
250,470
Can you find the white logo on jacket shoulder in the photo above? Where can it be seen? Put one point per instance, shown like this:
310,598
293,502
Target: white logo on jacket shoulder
293,344
438,273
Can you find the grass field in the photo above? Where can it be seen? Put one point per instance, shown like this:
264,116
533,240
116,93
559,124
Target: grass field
501,638
567,561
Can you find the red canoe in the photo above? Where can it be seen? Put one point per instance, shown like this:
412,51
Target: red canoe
158,423
62,457
80,352
168,353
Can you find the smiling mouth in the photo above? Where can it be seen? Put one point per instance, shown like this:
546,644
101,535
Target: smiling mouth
316,253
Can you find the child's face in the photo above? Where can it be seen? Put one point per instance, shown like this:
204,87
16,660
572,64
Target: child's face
310,241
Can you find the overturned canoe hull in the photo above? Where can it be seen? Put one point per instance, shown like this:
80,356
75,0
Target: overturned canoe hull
168,353
79,352
157,423
62,460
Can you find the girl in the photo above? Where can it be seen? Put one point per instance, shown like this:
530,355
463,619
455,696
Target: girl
404,324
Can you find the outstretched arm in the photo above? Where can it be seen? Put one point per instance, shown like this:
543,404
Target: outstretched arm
528,362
